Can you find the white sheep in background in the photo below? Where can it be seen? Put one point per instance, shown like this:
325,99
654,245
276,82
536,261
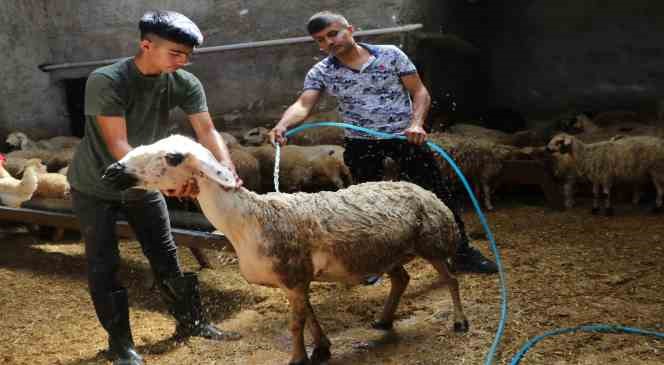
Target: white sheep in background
13,192
22,141
564,168
634,160
52,185
290,240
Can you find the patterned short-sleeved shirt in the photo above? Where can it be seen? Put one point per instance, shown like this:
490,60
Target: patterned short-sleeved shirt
373,97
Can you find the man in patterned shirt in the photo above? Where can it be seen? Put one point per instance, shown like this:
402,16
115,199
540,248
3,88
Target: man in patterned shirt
376,87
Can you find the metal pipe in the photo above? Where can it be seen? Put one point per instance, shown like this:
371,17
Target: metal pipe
229,47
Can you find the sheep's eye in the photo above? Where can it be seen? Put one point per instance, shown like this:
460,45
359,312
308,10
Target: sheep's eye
174,159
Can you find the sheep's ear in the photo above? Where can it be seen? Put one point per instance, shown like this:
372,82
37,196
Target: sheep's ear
215,171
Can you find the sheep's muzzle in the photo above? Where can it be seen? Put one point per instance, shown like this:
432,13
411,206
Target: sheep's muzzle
117,176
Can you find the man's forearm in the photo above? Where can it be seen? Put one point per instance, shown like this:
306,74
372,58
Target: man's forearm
421,104
119,149
293,116
213,141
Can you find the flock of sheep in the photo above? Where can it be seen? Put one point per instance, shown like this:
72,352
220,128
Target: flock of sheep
24,172
610,148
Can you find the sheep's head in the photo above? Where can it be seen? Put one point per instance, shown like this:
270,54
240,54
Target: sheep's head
329,174
37,164
16,139
582,123
560,143
256,136
167,164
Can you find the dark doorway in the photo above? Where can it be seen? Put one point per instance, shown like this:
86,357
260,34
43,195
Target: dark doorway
454,73
75,94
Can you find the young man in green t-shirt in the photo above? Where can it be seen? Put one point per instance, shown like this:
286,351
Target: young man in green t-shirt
127,104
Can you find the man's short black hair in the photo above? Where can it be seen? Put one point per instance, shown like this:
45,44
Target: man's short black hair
171,26
323,19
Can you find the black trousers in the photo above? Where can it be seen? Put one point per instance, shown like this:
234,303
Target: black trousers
417,164
149,219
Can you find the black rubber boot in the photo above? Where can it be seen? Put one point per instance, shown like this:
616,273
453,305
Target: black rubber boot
469,259
183,298
113,313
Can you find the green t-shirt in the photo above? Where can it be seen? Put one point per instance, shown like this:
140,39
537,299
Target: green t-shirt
120,90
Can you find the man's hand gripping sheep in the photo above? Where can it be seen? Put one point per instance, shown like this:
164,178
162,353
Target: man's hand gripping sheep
290,240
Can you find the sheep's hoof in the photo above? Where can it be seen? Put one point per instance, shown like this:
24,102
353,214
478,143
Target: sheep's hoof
381,325
320,355
608,212
461,327
656,210
595,211
300,362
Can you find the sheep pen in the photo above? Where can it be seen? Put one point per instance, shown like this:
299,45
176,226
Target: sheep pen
557,273
290,240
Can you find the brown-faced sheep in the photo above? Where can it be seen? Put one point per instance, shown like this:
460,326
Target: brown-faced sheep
289,240
634,160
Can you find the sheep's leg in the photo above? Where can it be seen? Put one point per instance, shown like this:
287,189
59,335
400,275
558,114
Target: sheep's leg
201,258
608,208
659,187
297,297
568,191
446,277
58,234
596,188
322,344
486,191
636,196
399,279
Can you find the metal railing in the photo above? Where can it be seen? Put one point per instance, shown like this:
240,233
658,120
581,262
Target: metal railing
235,46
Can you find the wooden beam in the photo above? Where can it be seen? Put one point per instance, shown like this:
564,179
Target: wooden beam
184,237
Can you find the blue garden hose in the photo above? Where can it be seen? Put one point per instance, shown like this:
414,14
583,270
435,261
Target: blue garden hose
503,289
592,328
489,358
